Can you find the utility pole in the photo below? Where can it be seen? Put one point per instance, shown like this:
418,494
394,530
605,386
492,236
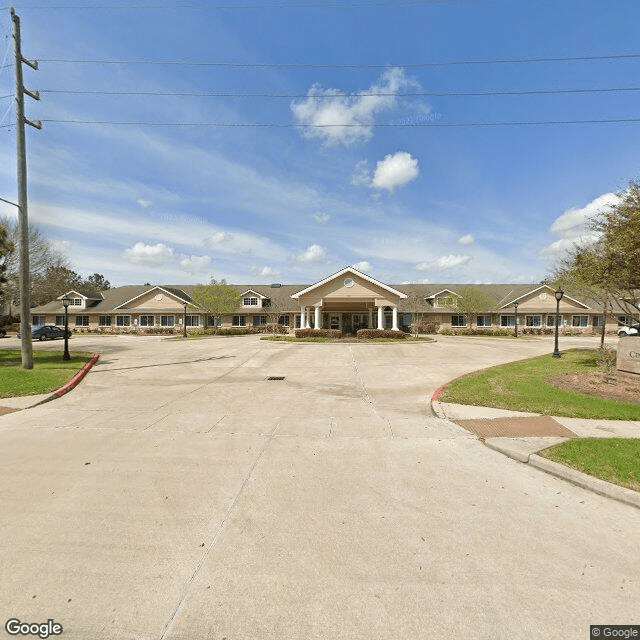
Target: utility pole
25,298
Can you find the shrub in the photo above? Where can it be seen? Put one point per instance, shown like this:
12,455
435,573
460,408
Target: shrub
446,332
369,334
224,331
429,327
273,328
319,333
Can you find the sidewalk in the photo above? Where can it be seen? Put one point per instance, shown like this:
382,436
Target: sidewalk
522,436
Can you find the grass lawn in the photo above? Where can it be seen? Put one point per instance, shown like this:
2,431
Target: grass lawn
523,386
49,372
611,459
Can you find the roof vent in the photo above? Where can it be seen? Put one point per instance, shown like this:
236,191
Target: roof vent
275,285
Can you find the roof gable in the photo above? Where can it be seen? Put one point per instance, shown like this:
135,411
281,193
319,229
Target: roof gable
540,291
176,294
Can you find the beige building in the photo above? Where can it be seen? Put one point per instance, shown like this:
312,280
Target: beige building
347,300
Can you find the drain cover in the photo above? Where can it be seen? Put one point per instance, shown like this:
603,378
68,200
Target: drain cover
275,378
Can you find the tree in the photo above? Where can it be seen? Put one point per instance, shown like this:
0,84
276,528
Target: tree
55,281
416,305
6,247
275,308
473,302
216,299
96,282
42,256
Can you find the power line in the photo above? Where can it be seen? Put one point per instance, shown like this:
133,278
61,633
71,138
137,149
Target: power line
321,65
284,125
240,94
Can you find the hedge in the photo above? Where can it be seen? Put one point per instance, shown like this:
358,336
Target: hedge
318,333
368,334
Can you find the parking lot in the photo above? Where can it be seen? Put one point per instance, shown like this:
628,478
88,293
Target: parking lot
180,493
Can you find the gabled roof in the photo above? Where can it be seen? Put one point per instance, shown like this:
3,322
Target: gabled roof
87,295
433,296
244,293
354,272
173,292
544,286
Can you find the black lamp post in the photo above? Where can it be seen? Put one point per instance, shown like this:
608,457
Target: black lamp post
559,293
515,304
184,322
66,302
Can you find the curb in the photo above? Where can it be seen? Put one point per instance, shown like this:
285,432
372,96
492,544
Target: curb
585,481
72,384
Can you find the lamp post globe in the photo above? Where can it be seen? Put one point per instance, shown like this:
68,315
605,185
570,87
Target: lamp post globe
558,294
66,301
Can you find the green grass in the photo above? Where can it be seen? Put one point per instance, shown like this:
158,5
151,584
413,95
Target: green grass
49,372
523,386
611,459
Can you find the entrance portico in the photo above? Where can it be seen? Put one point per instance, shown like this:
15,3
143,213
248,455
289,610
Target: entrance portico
348,300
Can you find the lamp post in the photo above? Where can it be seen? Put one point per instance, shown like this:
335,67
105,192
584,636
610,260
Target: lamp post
66,301
559,293
515,304
184,322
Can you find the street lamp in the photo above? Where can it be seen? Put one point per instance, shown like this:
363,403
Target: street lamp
515,304
66,302
184,322
559,293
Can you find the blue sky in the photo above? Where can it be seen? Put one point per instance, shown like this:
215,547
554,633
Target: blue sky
430,203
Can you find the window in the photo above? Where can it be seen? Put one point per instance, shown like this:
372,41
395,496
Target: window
446,301
104,321
579,321
82,321
38,320
123,321
458,321
284,320
507,321
212,321
483,321
628,320
551,320
259,321
597,322
193,321
297,323
167,321
250,302
59,321
76,302
146,321
533,321
239,321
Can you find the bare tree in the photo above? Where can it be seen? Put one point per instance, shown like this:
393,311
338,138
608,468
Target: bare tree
474,302
216,299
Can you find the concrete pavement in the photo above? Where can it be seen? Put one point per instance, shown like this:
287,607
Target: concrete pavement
178,493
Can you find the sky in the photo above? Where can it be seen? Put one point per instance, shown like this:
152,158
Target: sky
270,141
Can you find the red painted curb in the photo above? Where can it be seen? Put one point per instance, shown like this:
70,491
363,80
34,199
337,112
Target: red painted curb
438,392
73,382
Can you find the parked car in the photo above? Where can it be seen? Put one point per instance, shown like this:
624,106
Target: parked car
3,332
627,331
47,332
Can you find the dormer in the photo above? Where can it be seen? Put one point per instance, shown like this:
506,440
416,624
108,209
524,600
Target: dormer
252,299
445,299
81,300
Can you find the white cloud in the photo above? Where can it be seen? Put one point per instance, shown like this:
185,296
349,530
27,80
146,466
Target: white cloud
467,240
142,253
395,171
573,226
268,272
443,263
362,266
145,204
195,264
314,253
361,175
321,218
325,109
217,238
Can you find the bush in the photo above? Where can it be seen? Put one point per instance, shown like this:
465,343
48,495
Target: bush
428,327
224,331
319,333
369,334
273,328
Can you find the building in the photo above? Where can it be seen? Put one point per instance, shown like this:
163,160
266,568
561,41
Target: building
347,300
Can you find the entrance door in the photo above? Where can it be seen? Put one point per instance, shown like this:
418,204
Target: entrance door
360,321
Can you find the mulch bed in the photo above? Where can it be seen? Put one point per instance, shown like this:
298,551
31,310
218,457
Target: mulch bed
516,427
618,385
5,410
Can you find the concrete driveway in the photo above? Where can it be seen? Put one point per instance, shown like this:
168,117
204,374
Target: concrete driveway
179,494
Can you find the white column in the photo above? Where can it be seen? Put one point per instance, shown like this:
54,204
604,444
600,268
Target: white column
379,317
317,318
395,318
303,318
307,315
